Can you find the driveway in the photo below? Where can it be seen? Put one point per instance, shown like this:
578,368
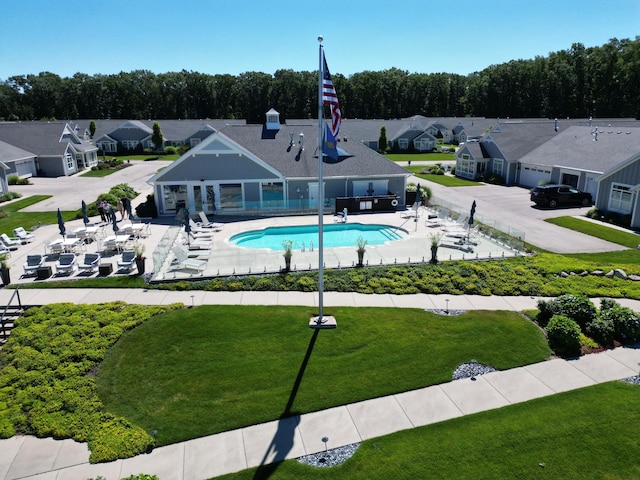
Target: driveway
511,206
68,192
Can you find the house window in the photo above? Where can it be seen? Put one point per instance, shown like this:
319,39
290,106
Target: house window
621,198
130,144
175,196
403,144
70,163
498,165
231,195
465,166
194,141
272,194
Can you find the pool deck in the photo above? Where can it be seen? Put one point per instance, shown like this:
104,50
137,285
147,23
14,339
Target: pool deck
225,258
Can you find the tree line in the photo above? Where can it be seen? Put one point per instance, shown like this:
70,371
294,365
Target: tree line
579,82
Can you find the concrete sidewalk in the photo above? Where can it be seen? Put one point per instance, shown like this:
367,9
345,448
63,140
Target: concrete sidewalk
202,458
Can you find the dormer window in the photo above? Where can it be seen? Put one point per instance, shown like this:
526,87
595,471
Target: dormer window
273,120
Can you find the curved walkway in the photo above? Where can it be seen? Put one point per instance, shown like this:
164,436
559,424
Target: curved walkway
214,455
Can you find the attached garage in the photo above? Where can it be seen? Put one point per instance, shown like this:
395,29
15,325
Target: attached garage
533,175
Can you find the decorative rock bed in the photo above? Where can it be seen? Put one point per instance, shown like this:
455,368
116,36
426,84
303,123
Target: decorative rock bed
330,458
442,311
471,370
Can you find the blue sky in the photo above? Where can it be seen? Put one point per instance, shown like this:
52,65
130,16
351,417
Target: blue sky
236,36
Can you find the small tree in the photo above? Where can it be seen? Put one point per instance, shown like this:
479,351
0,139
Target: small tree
157,137
92,128
564,336
382,141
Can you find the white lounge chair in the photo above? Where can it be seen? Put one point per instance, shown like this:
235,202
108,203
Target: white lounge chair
187,263
341,217
198,232
196,244
33,263
23,235
205,223
66,263
127,260
90,262
10,243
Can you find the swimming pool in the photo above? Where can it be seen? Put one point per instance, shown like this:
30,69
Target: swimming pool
333,235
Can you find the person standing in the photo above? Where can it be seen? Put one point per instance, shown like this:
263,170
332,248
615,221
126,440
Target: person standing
121,208
100,207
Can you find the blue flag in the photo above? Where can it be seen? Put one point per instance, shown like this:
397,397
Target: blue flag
329,147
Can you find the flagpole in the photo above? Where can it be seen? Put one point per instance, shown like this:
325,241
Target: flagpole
320,190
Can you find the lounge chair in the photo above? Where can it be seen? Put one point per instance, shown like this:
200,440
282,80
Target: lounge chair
205,223
66,263
33,263
23,235
198,232
90,262
196,244
127,261
184,262
10,243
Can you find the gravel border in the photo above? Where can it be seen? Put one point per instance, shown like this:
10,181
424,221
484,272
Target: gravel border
330,458
471,370
446,313
635,380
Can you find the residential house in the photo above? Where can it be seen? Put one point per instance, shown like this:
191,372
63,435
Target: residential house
114,137
15,161
271,167
55,148
601,157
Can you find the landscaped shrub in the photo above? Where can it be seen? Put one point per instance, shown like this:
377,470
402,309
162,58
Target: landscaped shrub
577,307
47,376
625,322
564,336
601,330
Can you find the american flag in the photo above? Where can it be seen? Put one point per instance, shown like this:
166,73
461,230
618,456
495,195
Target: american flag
330,97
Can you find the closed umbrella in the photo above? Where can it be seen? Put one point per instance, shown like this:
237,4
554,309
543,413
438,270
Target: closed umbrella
115,223
417,204
61,226
473,212
128,208
187,226
85,217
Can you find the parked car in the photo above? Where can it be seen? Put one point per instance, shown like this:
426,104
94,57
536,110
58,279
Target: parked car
556,195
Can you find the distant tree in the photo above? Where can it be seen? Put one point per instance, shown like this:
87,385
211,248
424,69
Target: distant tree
156,137
92,128
382,141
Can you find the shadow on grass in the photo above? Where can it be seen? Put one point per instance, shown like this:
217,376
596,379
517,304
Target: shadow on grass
283,440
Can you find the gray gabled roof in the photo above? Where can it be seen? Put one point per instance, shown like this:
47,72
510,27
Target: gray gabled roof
11,153
293,162
577,147
41,138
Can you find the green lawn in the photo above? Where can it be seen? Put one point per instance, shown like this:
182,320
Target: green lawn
446,180
589,433
416,157
195,372
16,218
98,173
630,240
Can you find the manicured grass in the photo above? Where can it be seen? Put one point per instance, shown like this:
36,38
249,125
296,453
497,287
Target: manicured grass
604,232
16,218
446,180
588,434
99,173
198,371
431,157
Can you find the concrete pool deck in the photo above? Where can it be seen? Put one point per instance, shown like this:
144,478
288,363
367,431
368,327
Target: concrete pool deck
225,258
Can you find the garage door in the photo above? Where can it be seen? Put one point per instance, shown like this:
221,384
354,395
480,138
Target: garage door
533,175
25,168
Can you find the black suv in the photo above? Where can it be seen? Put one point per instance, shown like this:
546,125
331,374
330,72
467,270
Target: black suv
556,195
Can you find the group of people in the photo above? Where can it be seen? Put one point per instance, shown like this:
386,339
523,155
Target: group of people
108,214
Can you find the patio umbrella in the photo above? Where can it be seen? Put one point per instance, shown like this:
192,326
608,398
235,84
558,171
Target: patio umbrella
417,204
115,223
473,212
85,218
187,226
61,226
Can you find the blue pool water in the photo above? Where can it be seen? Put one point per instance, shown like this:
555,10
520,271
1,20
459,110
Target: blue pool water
334,235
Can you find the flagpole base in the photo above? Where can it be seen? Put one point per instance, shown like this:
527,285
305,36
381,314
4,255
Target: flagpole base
327,321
